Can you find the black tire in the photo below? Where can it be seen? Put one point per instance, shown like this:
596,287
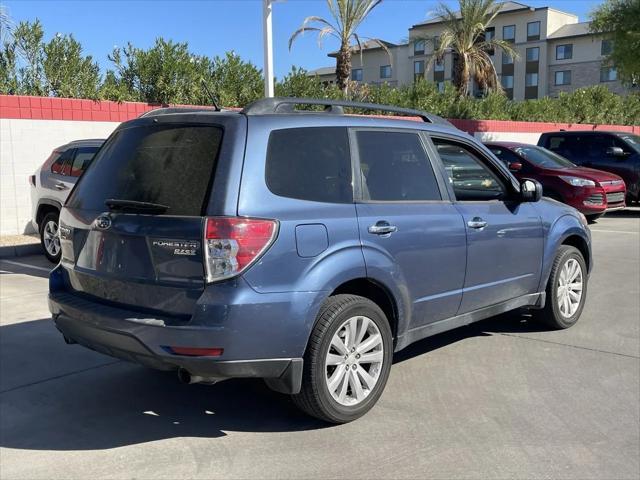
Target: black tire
551,314
49,217
593,218
314,397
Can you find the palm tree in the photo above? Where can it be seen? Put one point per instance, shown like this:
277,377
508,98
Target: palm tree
347,17
464,36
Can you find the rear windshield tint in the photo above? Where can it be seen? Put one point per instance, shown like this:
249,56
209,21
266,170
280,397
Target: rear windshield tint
167,164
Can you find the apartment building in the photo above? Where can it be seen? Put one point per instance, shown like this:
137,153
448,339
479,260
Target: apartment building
556,54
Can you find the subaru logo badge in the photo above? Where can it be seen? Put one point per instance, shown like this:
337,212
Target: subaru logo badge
103,222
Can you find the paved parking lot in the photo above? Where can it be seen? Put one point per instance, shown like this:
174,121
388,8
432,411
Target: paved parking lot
498,399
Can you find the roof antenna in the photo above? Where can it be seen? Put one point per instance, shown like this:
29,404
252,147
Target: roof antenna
213,98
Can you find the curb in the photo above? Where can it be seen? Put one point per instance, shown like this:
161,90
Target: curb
11,251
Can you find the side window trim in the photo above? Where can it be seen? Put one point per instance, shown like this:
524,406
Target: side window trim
496,167
358,196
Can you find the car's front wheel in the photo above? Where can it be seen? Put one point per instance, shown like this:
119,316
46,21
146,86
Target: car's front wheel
347,361
49,237
566,289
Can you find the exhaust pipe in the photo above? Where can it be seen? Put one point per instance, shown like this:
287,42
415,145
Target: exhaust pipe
184,376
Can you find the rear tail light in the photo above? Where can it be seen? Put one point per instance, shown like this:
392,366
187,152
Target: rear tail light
32,180
232,244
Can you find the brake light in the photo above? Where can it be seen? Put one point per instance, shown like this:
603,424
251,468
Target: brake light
231,244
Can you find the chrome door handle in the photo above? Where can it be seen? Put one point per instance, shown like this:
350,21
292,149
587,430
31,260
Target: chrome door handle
477,223
60,186
382,228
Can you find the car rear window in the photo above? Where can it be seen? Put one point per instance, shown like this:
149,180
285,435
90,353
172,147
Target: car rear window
166,164
310,164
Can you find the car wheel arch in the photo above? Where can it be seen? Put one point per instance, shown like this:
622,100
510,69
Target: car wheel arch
45,206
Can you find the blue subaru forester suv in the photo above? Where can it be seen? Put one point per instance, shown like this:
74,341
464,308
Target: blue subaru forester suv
303,247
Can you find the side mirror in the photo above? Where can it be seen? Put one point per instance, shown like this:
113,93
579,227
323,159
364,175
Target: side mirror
530,190
515,166
615,152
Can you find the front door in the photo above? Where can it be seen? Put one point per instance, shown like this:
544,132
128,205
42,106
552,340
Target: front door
504,236
409,230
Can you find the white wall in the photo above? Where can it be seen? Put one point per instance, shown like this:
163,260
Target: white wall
24,146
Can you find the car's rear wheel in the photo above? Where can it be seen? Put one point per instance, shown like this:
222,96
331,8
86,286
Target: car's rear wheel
347,361
566,289
49,237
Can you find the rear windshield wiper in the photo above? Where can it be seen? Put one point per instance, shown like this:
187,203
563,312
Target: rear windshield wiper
135,206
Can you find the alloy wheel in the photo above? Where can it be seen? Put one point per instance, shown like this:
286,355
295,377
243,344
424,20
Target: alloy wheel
51,238
569,291
354,360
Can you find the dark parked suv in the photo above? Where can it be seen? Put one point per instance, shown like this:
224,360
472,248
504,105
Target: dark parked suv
303,248
615,152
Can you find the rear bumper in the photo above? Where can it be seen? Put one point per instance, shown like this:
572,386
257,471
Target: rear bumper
118,333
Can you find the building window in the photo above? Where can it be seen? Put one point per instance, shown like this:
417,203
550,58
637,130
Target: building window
509,33
507,81
440,86
418,47
563,77
489,34
531,80
507,59
564,52
385,71
608,74
533,54
356,74
606,48
418,70
439,66
533,31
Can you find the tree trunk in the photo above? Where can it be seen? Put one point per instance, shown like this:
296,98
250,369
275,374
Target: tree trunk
343,67
463,76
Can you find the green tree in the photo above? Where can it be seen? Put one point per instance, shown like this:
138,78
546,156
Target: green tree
165,73
347,15
464,35
298,83
27,44
68,72
234,81
619,20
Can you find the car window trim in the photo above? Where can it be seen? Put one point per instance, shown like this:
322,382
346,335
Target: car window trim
357,173
500,170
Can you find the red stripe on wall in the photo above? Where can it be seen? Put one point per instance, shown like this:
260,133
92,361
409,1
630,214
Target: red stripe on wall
45,108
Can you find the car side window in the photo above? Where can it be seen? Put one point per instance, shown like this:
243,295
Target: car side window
311,163
394,167
82,159
470,178
504,155
57,166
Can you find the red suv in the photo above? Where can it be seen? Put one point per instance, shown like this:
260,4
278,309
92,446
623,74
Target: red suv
593,192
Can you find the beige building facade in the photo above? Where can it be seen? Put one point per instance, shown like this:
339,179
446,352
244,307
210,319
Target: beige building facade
556,54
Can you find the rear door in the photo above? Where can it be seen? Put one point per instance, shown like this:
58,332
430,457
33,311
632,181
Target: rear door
57,181
406,218
504,237
143,255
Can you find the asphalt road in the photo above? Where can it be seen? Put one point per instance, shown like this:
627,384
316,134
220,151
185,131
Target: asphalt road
498,399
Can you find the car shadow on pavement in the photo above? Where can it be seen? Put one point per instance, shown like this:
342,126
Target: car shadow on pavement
59,397
626,213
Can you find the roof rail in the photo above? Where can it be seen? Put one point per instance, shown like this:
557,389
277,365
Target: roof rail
287,105
166,110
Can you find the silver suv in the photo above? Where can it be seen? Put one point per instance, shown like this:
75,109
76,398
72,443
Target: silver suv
51,185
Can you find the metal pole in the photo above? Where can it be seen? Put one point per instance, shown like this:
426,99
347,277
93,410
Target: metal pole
268,48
